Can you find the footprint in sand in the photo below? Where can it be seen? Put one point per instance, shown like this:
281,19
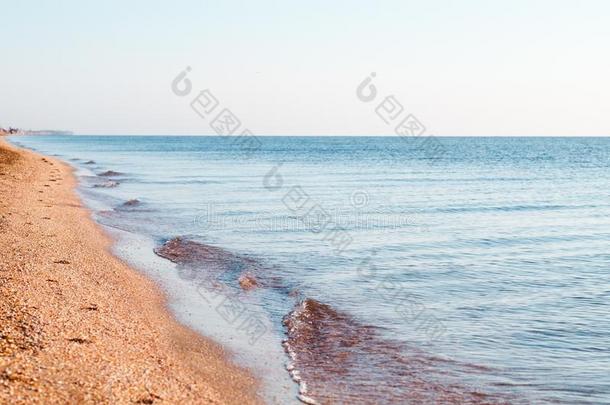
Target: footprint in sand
150,399
79,340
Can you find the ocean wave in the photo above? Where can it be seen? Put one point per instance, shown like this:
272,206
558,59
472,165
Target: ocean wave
336,359
110,173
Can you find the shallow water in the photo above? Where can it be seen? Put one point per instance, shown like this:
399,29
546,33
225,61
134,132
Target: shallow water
479,275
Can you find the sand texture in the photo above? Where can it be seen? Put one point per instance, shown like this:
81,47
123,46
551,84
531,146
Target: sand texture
77,325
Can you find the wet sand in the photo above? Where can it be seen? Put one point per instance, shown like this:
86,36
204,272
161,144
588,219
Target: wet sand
77,325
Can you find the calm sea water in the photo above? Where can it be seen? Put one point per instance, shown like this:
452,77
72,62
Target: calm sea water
382,275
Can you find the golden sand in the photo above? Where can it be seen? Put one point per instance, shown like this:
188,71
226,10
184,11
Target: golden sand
77,325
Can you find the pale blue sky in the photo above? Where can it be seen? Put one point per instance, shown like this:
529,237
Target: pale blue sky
535,67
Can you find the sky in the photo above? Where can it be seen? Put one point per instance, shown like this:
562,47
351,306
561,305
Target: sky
477,68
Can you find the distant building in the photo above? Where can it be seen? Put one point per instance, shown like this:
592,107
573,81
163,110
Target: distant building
18,131
9,131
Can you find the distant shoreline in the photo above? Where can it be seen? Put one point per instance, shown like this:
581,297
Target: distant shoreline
17,131
47,132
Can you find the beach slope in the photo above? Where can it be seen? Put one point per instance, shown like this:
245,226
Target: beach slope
77,325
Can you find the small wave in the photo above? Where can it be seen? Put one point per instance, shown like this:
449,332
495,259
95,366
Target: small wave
336,359
89,162
107,184
131,203
504,208
110,173
202,261
188,252
177,182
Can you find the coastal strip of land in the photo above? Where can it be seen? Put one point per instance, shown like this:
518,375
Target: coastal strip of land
77,325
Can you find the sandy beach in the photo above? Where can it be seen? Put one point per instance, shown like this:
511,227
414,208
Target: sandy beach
77,325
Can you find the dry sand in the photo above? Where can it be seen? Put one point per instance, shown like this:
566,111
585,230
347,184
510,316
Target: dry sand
77,325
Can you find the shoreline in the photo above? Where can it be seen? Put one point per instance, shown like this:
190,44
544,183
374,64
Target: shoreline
77,323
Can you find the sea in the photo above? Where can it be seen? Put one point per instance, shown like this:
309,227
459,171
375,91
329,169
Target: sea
372,270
